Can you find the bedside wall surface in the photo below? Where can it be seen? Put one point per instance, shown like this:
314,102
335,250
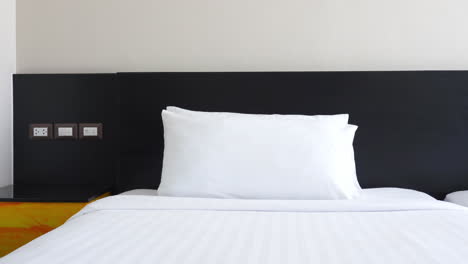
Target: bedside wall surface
243,35
7,67
77,98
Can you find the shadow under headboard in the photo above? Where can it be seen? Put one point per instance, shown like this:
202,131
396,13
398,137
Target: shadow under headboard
413,126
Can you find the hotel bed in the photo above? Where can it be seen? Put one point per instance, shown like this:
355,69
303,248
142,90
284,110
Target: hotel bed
279,188
382,226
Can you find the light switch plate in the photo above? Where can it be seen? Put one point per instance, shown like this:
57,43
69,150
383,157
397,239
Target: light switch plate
66,131
90,130
40,131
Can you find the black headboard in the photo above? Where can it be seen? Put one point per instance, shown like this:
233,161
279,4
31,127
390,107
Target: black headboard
66,98
413,126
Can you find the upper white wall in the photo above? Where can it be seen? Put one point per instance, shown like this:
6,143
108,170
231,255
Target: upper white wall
241,35
7,68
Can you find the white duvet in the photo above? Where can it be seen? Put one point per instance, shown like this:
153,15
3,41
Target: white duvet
152,229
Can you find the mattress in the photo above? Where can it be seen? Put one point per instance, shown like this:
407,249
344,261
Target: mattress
152,229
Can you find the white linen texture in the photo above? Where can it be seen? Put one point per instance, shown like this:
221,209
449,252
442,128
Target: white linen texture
167,230
258,157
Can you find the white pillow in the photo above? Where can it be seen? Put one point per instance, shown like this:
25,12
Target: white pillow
460,198
261,157
339,120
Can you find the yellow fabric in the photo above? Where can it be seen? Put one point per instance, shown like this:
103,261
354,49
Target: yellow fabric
21,222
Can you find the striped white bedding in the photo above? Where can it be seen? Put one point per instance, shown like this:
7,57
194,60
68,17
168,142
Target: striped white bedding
158,230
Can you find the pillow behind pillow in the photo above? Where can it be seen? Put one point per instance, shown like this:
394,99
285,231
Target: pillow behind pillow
267,157
348,180
460,198
339,120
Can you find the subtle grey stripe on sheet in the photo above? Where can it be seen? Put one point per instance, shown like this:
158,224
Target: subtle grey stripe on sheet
213,237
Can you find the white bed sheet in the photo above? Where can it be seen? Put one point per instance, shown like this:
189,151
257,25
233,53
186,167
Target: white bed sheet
152,229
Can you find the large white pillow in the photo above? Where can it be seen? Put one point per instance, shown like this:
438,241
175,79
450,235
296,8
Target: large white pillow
339,120
266,157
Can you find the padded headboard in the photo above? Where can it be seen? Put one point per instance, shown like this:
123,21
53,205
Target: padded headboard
413,126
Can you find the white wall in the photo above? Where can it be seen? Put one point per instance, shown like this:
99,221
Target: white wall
234,35
7,68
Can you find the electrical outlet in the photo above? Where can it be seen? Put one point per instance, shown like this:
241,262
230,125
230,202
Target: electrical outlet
40,131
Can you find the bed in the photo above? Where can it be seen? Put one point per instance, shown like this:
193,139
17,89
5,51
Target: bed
383,226
412,136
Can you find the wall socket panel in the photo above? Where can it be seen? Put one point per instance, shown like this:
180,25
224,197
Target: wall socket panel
40,131
65,131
